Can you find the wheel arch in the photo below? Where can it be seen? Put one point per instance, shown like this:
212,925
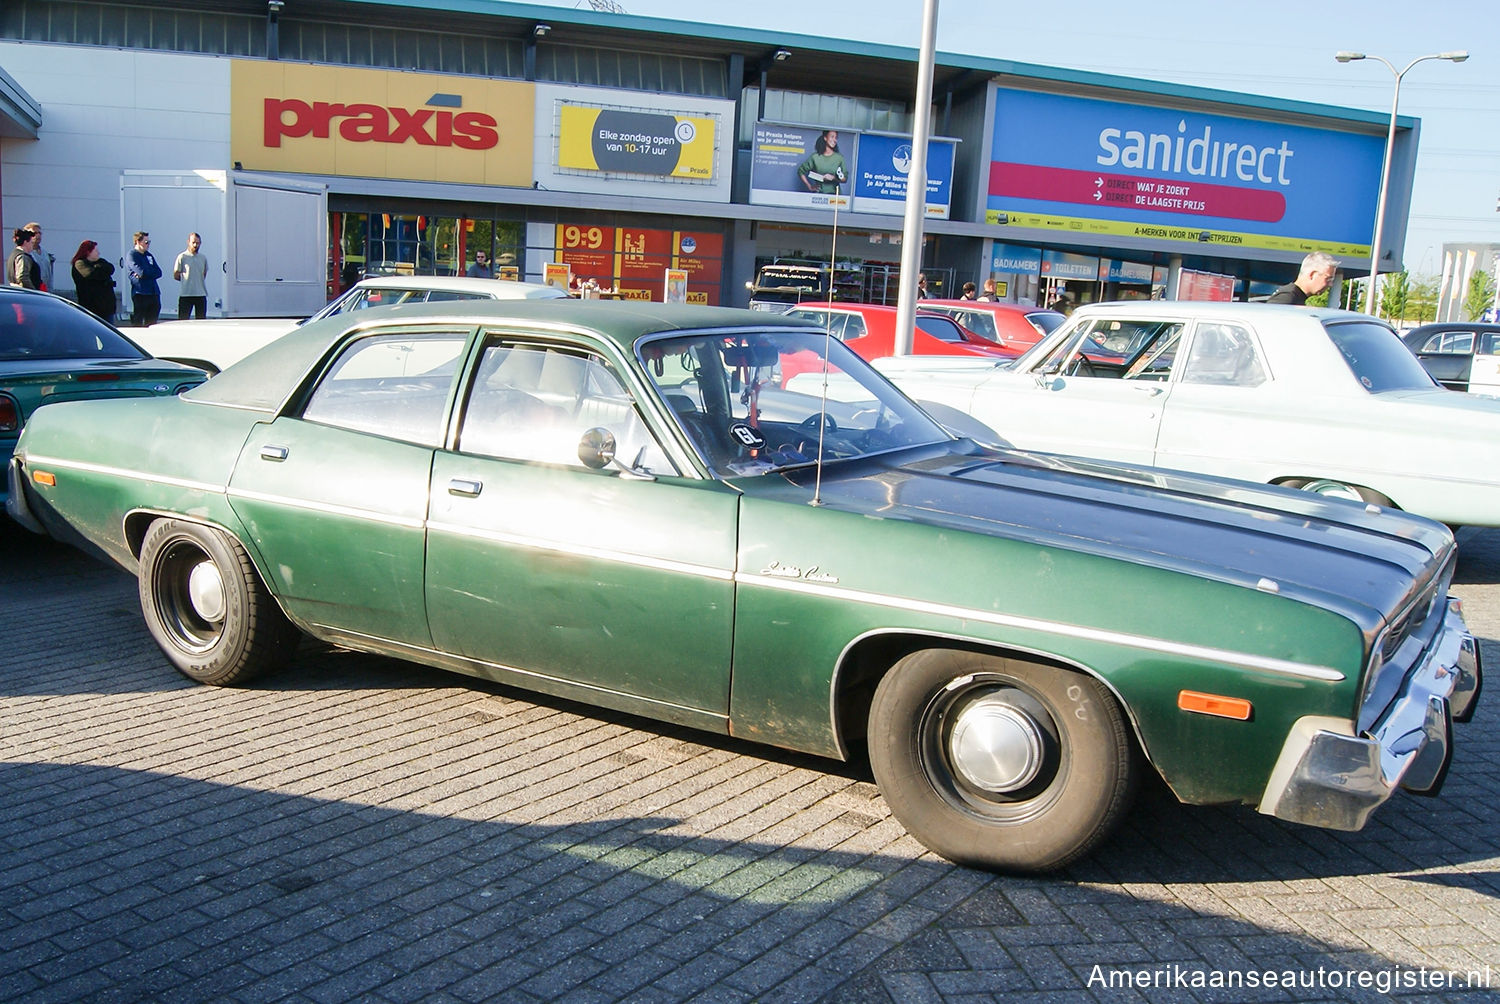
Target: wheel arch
1368,494
867,659
137,524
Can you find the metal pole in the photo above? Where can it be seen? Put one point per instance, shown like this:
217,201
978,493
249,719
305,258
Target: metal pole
916,188
1372,301
1372,304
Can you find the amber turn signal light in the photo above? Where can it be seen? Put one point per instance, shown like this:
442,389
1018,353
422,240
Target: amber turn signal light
44,478
1214,704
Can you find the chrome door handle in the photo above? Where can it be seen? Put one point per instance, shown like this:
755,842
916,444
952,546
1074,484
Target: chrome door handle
277,453
465,487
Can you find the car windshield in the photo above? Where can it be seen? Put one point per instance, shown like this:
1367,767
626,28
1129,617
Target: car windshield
41,327
753,402
1377,357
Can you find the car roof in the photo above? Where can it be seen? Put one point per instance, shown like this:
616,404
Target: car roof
266,378
1216,309
1453,326
990,305
499,289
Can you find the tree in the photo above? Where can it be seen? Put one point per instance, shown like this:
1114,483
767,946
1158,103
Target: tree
1480,296
1424,299
1395,296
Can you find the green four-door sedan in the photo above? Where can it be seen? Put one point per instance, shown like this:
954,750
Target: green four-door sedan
623,504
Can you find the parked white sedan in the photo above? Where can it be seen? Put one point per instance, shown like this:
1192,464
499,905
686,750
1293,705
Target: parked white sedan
1319,399
214,344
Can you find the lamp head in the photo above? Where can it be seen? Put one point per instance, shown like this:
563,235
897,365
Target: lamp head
1455,57
782,55
540,29
1347,57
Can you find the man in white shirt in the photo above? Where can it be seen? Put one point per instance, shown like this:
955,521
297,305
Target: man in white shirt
191,269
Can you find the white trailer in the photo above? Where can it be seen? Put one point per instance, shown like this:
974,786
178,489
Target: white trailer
265,236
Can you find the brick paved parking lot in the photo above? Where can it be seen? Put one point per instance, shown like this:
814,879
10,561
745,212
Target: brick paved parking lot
361,829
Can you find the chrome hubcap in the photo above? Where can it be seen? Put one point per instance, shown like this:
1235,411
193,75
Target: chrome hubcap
206,591
995,746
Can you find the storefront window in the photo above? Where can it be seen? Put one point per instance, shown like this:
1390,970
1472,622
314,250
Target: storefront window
372,244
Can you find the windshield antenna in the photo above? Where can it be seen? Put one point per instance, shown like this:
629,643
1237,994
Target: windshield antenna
833,249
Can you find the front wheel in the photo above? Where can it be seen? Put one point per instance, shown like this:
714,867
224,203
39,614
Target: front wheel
998,763
206,607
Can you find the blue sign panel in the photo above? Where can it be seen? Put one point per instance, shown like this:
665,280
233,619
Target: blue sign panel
1110,168
880,175
1127,271
1062,265
1010,258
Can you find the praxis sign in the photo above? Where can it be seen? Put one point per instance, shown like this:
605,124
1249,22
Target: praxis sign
373,123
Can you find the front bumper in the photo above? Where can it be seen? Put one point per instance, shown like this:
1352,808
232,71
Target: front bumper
1327,776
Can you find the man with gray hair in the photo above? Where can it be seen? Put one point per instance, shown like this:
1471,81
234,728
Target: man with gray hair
1317,272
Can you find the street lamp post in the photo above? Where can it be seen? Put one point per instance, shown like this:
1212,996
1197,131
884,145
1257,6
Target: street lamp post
1371,306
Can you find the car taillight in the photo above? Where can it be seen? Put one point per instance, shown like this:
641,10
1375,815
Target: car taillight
97,377
10,415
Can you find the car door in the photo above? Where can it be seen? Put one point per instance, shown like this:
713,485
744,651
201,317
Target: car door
1099,393
616,581
1449,357
334,493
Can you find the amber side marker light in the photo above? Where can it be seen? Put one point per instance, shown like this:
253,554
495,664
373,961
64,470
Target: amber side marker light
44,478
1214,704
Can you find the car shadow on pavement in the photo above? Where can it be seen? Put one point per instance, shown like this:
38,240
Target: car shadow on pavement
129,884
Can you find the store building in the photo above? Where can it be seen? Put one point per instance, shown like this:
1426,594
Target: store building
314,141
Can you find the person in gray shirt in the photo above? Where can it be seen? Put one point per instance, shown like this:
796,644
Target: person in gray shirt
46,261
191,269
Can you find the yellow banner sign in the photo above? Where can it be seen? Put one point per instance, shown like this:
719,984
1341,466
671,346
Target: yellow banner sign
354,122
1071,225
617,141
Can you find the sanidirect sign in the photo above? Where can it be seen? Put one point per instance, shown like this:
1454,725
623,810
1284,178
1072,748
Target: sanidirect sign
302,119
594,139
1115,169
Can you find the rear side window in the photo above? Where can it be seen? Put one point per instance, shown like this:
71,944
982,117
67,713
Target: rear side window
1377,358
1224,354
942,328
390,385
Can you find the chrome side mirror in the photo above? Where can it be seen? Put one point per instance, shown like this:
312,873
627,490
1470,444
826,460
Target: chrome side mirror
597,449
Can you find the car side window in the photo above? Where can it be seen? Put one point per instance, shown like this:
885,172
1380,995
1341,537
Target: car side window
537,402
446,295
1116,348
390,385
854,327
1226,355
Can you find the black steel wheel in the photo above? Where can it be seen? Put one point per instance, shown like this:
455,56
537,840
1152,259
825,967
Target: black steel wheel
206,607
999,763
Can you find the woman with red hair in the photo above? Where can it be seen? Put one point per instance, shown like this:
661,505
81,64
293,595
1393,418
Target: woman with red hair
93,278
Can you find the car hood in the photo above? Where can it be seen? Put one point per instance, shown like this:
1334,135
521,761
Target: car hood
1362,562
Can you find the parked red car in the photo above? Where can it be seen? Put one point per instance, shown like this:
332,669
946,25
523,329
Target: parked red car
870,330
1011,324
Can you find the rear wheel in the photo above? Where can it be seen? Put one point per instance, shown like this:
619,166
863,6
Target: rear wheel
999,763
206,607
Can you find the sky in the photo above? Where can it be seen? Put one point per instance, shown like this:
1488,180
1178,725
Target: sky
1273,48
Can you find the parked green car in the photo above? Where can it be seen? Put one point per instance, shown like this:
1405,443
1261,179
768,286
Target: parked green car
622,504
52,350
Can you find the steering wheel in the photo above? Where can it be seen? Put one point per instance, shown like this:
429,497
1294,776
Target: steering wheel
1081,366
810,423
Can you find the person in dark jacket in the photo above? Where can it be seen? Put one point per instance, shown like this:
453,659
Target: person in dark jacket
21,268
93,278
145,294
